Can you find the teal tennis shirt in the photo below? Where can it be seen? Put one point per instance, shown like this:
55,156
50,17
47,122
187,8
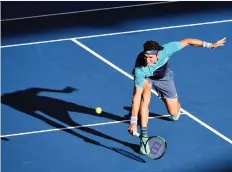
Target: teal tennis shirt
140,73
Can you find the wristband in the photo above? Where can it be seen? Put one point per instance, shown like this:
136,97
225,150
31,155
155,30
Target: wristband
133,120
207,44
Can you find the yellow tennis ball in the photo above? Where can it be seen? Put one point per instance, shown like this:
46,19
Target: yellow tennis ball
98,110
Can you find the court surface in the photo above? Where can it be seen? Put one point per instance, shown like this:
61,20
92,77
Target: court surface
53,79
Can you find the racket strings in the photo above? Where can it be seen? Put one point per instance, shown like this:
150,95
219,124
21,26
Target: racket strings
157,147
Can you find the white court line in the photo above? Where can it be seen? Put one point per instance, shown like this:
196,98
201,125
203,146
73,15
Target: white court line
153,91
120,70
119,33
85,11
73,127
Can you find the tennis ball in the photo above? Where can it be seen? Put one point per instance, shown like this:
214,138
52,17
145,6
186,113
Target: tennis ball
98,110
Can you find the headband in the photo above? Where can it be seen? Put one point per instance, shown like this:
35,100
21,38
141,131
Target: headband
152,52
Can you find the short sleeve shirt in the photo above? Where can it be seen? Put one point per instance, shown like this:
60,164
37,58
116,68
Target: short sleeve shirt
140,73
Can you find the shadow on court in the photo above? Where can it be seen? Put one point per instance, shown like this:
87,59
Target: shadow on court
29,102
150,115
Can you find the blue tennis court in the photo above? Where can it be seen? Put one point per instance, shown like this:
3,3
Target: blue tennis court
55,76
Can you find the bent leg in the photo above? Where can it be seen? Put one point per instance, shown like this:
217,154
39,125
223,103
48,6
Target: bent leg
167,91
173,107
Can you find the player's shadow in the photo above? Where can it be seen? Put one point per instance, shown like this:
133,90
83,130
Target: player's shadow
29,102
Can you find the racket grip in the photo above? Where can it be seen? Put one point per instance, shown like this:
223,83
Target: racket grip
137,134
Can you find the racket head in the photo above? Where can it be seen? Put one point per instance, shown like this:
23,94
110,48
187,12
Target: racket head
156,147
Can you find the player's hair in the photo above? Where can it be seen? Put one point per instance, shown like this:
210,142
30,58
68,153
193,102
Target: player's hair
152,45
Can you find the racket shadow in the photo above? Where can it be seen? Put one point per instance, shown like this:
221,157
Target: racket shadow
128,154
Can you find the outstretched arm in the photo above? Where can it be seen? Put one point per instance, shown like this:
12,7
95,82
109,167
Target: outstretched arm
65,90
200,43
134,110
139,76
136,102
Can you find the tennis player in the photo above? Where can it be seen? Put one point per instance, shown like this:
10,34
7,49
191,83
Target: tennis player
152,70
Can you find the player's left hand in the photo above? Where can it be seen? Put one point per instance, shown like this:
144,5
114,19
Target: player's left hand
218,43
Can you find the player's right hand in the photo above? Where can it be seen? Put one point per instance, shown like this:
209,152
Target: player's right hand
132,129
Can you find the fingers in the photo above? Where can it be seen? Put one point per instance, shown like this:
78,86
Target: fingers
222,41
136,134
132,130
219,43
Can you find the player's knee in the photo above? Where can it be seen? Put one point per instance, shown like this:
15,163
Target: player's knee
174,110
173,107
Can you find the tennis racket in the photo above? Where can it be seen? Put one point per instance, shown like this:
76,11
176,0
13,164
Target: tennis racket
155,146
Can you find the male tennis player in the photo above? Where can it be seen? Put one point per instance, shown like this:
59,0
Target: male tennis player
152,69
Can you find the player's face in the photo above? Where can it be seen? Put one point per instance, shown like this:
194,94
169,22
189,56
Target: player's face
151,59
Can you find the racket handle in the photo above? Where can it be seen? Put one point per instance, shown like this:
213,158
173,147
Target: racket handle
137,134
